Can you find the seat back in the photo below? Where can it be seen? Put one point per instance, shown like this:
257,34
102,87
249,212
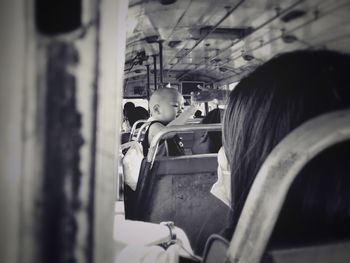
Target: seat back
179,190
176,188
178,128
133,132
141,132
274,179
337,252
215,249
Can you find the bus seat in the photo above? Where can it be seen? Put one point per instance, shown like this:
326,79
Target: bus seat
270,188
134,129
178,129
187,140
132,198
176,188
337,252
179,190
125,137
194,121
215,249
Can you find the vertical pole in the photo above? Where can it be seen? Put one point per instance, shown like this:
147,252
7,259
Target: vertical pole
148,82
206,108
13,86
155,70
160,43
112,38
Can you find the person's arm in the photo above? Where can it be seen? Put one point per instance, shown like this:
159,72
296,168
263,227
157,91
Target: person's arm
180,120
132,232
184,116
196,100
137,242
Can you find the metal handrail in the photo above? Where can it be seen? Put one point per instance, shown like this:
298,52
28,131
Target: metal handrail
174,129
133,128
144,126
194,121
276,175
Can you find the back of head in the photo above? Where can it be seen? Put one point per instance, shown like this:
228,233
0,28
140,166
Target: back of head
198,114
139,113
208,142
213,116
128,108
165,104
273,100
162,94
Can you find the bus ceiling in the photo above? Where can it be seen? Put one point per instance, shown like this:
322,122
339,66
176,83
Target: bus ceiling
200,41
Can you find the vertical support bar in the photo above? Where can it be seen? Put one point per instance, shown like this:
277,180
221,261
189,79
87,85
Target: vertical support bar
94,105
12,95
155,70
62,178
148,82
206,108
112,39
160,43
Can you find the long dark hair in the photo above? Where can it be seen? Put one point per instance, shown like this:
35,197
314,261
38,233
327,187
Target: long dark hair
273,100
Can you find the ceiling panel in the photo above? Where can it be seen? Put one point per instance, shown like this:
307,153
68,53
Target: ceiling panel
252,34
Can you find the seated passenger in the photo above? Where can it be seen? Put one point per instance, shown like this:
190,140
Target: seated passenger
208,142
262,109
198,114
139,113
166,106
127,111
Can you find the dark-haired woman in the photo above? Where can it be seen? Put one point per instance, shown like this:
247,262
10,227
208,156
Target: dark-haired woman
263,108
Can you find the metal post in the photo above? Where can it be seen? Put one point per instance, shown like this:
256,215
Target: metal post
155,70
161,60
148,82
206,108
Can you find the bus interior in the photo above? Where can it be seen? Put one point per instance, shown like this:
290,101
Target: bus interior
70,67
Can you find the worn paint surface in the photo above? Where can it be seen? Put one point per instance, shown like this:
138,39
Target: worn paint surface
63,141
